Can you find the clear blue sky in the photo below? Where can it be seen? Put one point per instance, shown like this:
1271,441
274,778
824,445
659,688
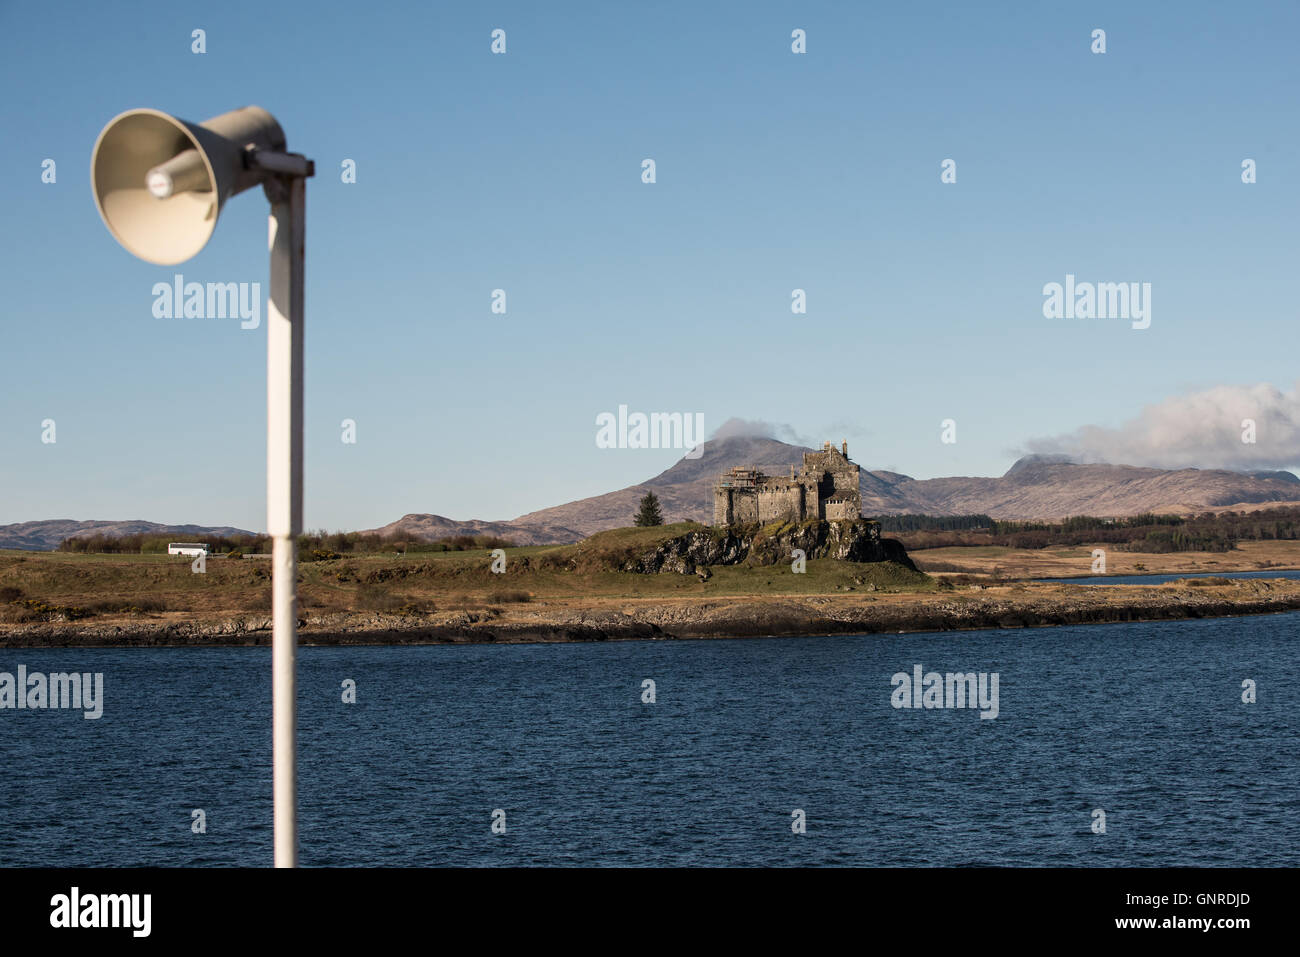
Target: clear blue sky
523,172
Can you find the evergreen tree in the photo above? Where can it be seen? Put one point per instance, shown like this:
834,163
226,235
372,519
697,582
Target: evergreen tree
649,513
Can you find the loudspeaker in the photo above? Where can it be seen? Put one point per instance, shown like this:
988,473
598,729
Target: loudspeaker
160,182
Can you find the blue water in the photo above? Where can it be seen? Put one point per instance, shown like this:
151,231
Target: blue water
1161,579
1144,721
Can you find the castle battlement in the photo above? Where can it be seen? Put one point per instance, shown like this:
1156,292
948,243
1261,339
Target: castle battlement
826,487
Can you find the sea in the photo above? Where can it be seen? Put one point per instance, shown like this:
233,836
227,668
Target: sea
1142,744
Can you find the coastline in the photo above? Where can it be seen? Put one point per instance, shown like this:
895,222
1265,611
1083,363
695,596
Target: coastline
1015,605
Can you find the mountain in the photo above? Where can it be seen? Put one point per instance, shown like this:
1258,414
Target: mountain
429,527
46,535
1035,487
685,491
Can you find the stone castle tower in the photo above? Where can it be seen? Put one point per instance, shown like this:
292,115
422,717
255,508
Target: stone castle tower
826,487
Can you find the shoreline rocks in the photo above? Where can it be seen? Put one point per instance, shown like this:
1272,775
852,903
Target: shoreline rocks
1018,606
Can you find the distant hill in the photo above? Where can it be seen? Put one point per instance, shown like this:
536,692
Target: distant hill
46,535
685,491
429,527
1035,487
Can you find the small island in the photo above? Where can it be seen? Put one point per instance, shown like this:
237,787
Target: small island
787,576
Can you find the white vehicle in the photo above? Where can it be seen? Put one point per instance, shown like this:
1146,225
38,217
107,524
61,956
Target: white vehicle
188,548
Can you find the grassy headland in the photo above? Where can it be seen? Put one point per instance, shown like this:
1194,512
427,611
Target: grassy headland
574,592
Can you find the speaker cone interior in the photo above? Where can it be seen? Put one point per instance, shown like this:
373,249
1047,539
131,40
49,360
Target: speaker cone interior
164,231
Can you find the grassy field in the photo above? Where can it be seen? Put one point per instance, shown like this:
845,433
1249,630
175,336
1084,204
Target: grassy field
125,589
53,585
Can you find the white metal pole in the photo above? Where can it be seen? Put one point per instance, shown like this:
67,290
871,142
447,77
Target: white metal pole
284,375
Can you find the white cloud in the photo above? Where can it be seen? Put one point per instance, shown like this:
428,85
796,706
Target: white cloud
1200,430
755,428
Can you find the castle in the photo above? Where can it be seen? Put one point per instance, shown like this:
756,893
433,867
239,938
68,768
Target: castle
825,488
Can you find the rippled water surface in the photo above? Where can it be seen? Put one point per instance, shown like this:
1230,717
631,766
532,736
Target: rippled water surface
1144,721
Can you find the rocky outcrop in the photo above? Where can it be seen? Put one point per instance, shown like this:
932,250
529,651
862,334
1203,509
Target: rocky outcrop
857,541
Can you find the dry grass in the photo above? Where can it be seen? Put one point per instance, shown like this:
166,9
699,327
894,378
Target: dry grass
122,588
1070,562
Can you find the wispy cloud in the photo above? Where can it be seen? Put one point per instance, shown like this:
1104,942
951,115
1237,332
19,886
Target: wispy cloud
757,428
1199,430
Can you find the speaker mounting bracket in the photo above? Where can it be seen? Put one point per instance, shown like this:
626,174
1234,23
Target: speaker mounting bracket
281,167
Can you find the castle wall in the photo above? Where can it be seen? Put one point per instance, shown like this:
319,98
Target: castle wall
842,511
744,506
826,488
781,502
844,474
722,512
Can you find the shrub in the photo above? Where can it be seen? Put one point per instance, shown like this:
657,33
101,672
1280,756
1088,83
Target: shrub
33,609
318,555
370,597
135,606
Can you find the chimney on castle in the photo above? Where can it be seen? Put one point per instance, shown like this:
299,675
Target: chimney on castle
845,445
